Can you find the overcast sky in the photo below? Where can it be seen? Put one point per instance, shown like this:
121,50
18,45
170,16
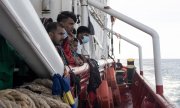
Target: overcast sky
161,15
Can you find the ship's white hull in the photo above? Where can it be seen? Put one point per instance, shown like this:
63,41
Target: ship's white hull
21,26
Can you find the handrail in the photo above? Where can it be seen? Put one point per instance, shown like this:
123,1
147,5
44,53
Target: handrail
133,43
143,94
78,70
85,67
102,63
96,17
144,28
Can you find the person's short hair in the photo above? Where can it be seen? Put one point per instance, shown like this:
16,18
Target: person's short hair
46,21
65,15
51,27
83,29
74,31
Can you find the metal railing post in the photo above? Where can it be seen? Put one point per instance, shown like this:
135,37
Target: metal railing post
144,28
133,43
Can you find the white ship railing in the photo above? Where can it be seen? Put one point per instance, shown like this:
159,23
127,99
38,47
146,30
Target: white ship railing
133,43
85,67
144,28
97,18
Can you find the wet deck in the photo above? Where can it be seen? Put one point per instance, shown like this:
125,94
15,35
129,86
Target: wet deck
125,96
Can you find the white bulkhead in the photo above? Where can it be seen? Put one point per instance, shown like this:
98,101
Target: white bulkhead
98,45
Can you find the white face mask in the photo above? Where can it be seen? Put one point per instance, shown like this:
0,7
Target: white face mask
66,34
85,39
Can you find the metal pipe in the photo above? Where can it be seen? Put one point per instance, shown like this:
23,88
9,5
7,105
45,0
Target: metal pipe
79,70
144,28
85,67
75,6
84,13
75,11
133,43
96,17
45,5
112,45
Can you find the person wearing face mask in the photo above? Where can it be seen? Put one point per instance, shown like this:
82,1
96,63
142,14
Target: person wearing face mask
83,37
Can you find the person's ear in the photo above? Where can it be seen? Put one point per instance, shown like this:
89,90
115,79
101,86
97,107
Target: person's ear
51,35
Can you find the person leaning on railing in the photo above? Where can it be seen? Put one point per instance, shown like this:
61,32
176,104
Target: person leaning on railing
74,47
68,19
83,33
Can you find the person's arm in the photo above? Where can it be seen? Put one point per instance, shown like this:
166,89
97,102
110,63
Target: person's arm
68,53
78,61
83,58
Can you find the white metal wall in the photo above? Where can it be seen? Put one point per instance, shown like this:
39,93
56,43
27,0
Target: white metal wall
99,37
100,47
56,6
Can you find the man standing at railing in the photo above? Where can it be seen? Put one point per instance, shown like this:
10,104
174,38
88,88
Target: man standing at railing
83,37
68,19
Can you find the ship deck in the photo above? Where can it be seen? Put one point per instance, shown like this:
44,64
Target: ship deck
125,96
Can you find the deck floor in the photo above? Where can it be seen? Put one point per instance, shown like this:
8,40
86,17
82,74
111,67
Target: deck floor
126,97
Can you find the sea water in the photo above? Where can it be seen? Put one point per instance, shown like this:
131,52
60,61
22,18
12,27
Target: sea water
170,69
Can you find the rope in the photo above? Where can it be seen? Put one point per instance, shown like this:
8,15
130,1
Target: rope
15,97
37,94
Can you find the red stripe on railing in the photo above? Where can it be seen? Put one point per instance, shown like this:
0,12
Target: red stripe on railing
159,89
145,97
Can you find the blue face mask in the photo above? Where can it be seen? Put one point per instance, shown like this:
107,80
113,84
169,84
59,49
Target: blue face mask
85,39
